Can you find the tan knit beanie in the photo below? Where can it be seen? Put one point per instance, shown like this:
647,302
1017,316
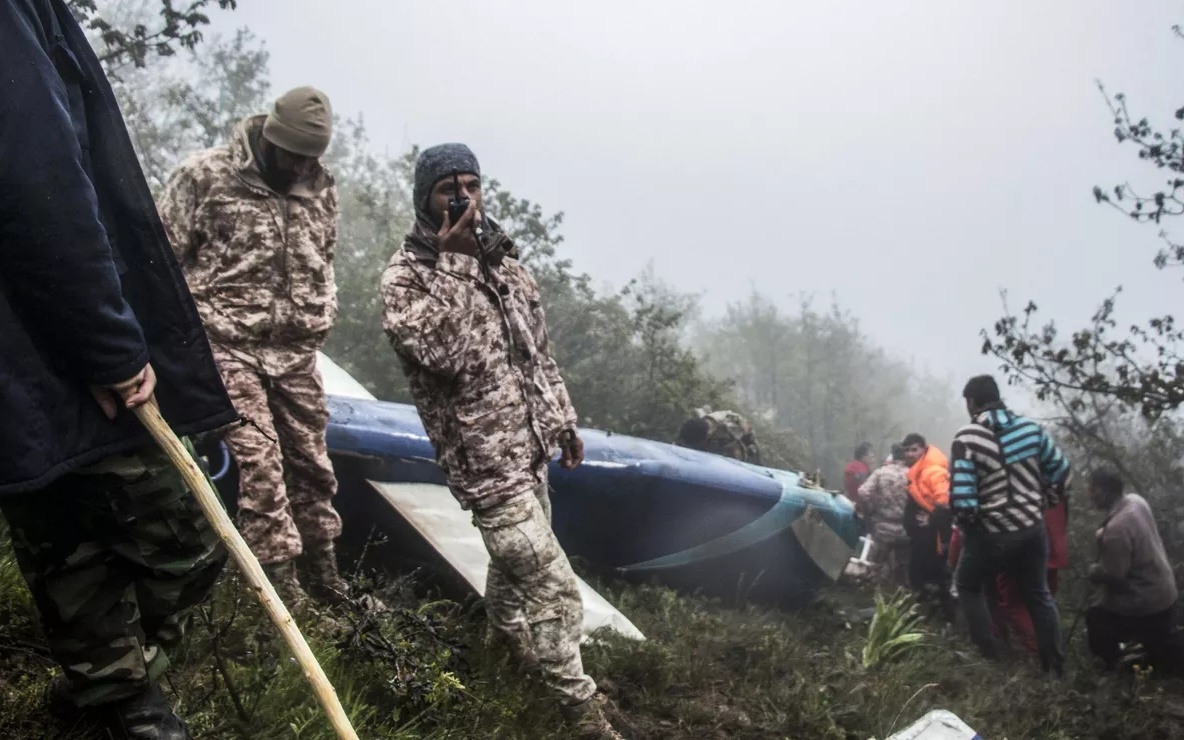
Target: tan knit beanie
301,121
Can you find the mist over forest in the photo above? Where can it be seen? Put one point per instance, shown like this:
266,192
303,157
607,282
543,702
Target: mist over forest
821,335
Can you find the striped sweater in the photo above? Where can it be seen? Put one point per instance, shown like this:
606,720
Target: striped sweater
1004,471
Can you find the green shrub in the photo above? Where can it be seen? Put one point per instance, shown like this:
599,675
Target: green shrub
894,631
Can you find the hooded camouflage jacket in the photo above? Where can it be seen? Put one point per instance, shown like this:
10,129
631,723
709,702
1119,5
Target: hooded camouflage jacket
730,434
882,500
473,344
259,264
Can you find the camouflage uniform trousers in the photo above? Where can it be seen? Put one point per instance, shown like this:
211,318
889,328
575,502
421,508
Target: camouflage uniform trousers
890,553
114,555
286,480
531,594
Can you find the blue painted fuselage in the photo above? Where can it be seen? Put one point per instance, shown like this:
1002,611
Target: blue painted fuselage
693,520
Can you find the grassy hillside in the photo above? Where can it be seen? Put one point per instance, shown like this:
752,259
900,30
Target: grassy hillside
708,671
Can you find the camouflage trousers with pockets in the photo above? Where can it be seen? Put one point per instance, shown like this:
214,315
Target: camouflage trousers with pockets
286,480
115,555
531,594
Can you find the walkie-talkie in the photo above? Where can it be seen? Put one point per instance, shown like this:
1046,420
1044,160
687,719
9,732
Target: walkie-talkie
457,205
456,210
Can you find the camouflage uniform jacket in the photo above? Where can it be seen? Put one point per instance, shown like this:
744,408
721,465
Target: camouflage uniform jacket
882,499
473,344
730,435
259,264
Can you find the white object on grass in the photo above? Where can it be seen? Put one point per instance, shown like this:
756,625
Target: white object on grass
937,725
863,553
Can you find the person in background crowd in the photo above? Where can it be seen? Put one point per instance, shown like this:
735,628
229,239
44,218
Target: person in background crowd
927,522
880,501
1009,613
1006,472
1138,587
858,470
724,433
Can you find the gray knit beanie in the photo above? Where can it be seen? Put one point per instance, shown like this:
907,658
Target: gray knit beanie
301,121
438,162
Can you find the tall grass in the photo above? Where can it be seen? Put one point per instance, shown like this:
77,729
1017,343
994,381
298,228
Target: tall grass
428,669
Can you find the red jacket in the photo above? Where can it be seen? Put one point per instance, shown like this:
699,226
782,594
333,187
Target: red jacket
853,477
1056,523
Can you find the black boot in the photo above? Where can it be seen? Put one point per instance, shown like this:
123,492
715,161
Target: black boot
146,716
319,571
58,701
287,584
589,720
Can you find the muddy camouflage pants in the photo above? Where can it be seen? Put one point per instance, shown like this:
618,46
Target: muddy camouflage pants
114,555
286,481
531,594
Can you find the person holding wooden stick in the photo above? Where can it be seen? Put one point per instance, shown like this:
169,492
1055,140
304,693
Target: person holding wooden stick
93,310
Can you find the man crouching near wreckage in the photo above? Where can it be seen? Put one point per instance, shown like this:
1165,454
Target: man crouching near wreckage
463,315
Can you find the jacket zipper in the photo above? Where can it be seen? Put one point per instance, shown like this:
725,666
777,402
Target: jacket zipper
281,202
511,349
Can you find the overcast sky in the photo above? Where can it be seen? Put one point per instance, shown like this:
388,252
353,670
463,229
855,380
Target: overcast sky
914,158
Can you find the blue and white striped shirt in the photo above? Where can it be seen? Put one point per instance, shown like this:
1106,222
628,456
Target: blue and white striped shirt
1004,471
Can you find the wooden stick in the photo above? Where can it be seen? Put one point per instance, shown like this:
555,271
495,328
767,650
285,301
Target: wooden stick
211,504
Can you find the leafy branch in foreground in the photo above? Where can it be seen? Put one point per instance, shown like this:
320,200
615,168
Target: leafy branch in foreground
179,28
1142,368
1141,364
1164,150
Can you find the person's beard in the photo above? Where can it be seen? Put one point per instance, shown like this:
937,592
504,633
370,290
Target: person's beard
277,179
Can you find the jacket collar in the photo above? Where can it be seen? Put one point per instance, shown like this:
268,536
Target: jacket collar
933,456
242,155
1118,506
994,416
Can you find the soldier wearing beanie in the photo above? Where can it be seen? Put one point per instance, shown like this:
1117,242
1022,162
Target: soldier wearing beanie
464,317
300,122
254,226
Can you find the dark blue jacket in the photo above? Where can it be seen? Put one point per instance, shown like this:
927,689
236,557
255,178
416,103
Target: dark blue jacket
89,288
